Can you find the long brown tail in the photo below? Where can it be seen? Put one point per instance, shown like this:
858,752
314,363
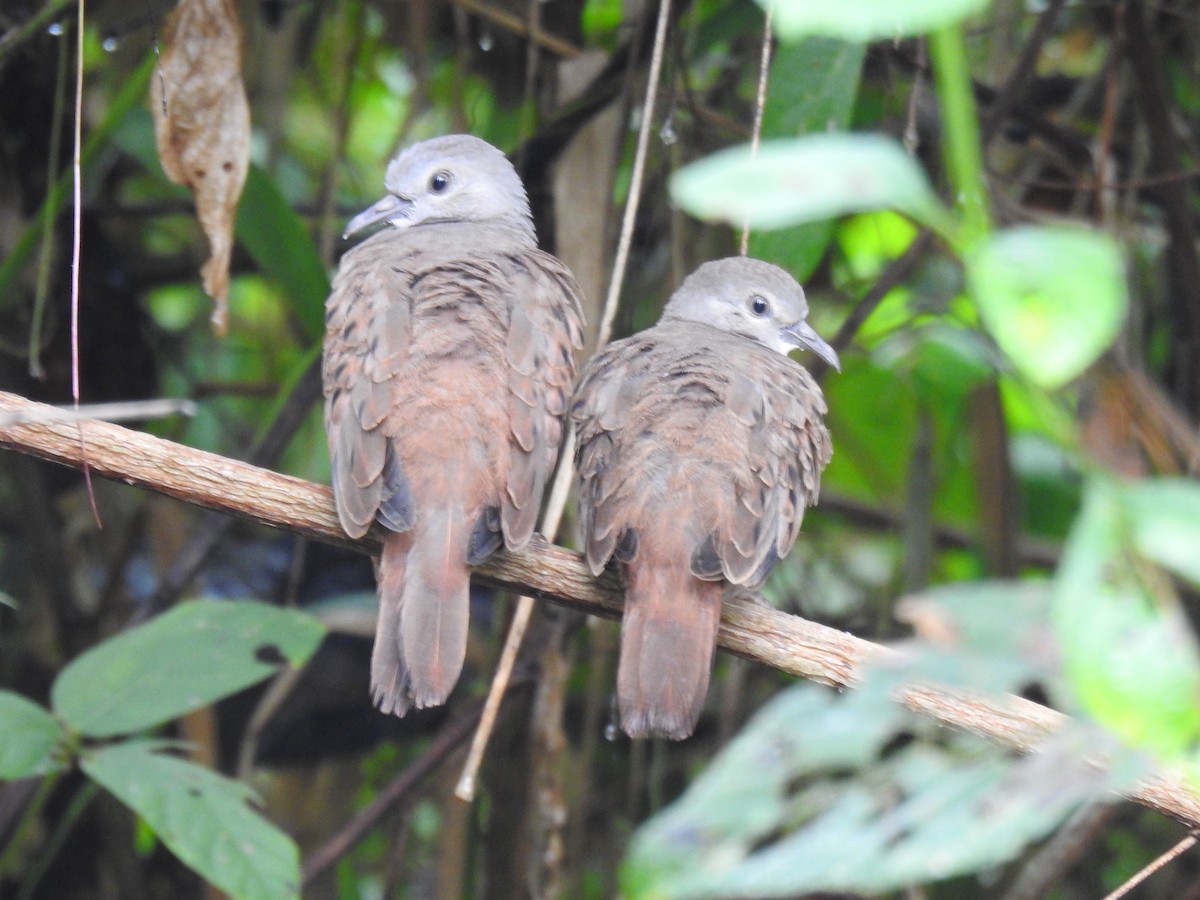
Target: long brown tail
424,606
668,636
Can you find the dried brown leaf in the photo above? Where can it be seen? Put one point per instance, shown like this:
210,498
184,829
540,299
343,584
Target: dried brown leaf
202,126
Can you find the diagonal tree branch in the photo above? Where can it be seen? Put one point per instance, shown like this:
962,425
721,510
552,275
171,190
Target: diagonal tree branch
757,632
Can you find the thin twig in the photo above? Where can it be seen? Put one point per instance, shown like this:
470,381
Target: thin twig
451,735
896,273
635,182
760,103
759,633
76,251
1182,847
465,789
130,411
558,494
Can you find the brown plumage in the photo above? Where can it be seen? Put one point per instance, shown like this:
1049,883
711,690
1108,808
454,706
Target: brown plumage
700,445
449,357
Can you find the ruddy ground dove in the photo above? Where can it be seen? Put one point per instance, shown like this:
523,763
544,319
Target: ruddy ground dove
449,359
700,445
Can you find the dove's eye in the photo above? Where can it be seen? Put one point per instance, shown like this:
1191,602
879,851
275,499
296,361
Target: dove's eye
759,305
439,182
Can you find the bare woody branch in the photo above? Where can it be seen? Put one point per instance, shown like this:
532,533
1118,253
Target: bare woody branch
785,642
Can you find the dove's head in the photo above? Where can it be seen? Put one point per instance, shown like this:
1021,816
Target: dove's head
454,178
750,298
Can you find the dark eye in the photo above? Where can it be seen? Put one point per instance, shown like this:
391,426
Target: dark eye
439,182
759,305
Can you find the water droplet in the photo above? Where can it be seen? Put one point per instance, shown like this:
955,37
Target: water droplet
667,133
610,731
486,41
55,29
110,43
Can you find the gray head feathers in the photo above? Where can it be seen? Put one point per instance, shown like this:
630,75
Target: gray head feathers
454,178
752,299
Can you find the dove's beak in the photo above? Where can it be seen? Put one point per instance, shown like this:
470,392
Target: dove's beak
391,209
802,335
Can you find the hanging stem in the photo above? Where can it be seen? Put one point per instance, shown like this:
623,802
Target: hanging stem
760,103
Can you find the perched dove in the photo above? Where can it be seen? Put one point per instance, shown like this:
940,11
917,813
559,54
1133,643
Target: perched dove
700,445
449,359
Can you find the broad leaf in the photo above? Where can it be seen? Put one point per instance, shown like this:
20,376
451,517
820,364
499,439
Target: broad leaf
203,818
868,20
28,736
806,180
828,793
990,636
1054,298
189,657
1129,655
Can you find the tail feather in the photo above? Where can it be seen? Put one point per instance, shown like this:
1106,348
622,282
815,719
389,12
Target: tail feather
424,605
668,636
389,674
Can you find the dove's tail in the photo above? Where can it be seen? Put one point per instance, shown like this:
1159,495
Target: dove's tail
424,606
668,635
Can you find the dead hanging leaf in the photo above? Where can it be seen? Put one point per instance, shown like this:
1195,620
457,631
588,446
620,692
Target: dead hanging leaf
202,126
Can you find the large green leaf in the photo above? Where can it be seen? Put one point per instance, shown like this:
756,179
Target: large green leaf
198,652
828,793
868,20
1130,658
1053,297
29,736
806,180
989,636
203,818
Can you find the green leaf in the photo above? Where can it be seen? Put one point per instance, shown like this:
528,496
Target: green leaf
203,818
1165,515
867,20
275,237
30,736
828,793
806,180
198,652
1129,655
988,636
1052,297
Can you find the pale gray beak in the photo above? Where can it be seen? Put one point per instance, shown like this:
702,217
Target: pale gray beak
390,209
802,335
